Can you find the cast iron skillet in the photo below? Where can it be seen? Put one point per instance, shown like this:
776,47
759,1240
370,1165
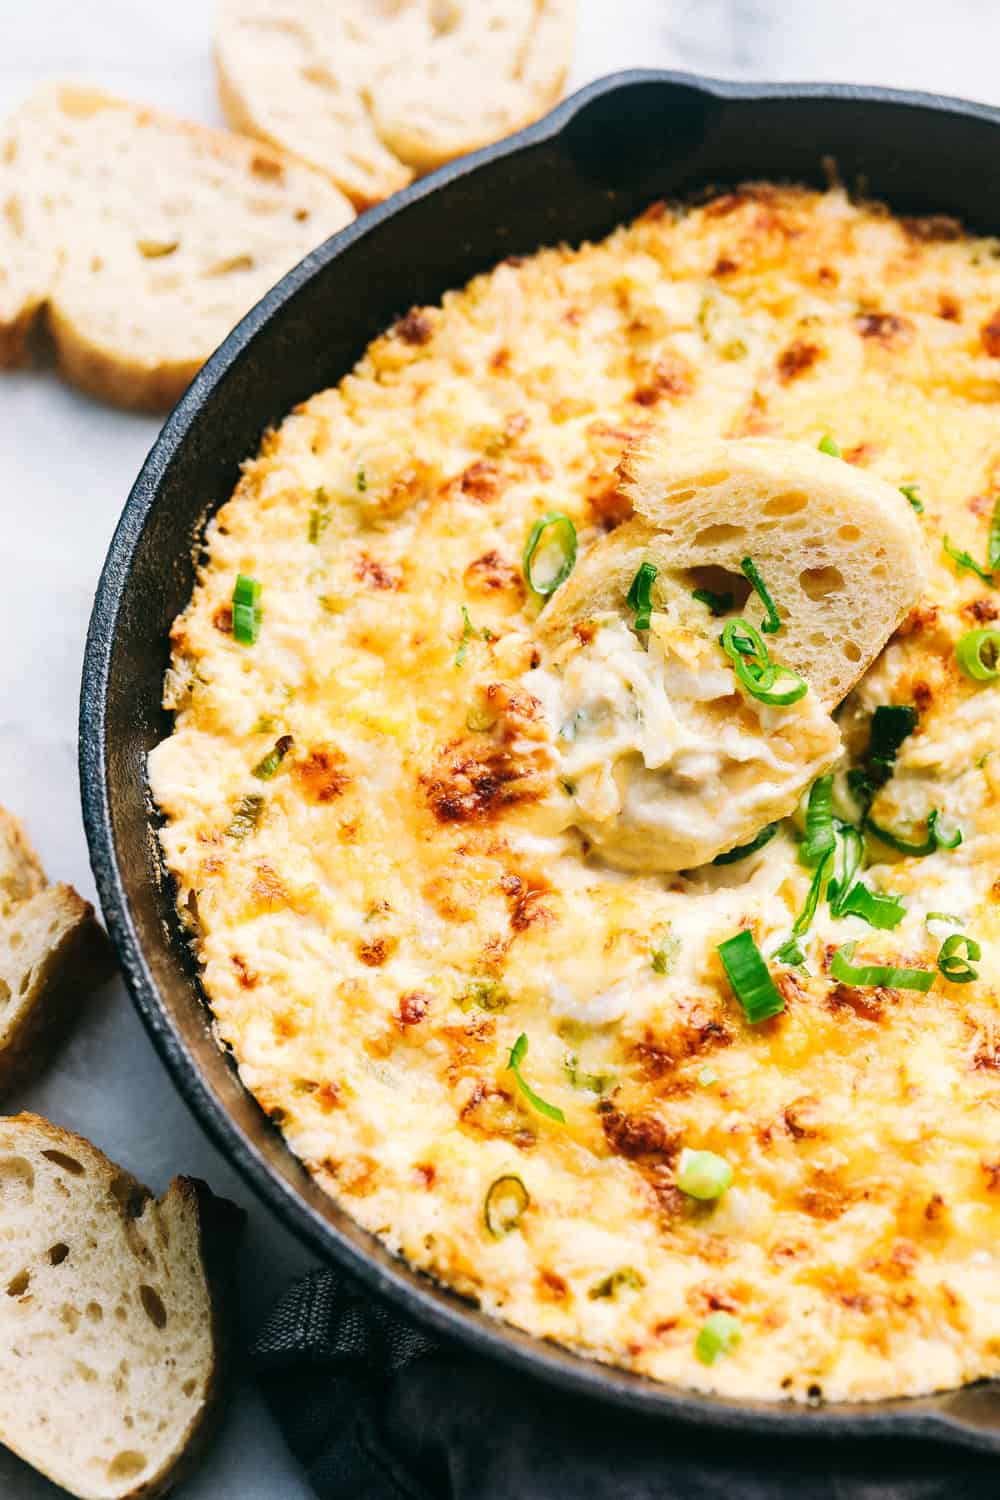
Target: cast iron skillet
598,159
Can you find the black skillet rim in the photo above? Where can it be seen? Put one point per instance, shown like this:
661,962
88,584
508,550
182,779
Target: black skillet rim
448,1315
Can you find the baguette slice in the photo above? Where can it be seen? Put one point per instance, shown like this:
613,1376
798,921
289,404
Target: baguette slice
144,238
52,955
113,1315
371,93
840,550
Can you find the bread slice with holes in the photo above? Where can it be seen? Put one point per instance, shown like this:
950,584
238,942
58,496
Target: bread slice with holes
840,550
373,93
114,1315
53,955
142,239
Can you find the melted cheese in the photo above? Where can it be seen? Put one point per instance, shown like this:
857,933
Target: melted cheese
666,761
414,893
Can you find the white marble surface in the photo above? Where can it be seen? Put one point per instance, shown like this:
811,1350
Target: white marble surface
67,465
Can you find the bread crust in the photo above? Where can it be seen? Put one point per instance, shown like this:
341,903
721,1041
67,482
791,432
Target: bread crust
136,301
219,1225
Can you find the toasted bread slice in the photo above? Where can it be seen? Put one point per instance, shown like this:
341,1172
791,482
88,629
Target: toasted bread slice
52,955
371,94
840,550
145,238
21,873
113,1318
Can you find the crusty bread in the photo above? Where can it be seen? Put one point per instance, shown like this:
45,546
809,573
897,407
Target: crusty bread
841,551
21,873
52,955
372,92
144,237
113,1314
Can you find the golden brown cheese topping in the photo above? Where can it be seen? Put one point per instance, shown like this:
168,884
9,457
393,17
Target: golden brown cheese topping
390,883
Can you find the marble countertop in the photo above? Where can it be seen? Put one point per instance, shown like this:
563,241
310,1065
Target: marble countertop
68,465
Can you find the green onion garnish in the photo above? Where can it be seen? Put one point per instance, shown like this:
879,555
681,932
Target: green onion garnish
361,479
518,1053
963,559
665,954
266,768
761,677
757,842
750,978
484,994
820,836
943,916
877,976
469,632
749,569
890,726
624,1276
790,952
246,817
978,653
720,1333
506,1201
719,604
319,517
951,962
874,907
703,1175
639,596
591,1083
910,491
928,845
847,862
563,538
246,610
828,444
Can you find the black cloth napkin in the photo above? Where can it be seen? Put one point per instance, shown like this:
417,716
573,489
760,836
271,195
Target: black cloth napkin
374,1410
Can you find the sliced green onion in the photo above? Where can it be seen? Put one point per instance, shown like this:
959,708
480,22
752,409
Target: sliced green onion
664,957
639,596
828,444
266,768
847,862
246,610
484,994
749,569
319,517
720,1334
891,724
821,836
361,479
518,1053
703,1175
951,962
761,677
591,1083
993,541
757,842
719,604
877,976
506,1201
963,559
469,633
943,916
874,907
978,653
750,978
928,845
246,817
910,491
563,538
789,953
624,1276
